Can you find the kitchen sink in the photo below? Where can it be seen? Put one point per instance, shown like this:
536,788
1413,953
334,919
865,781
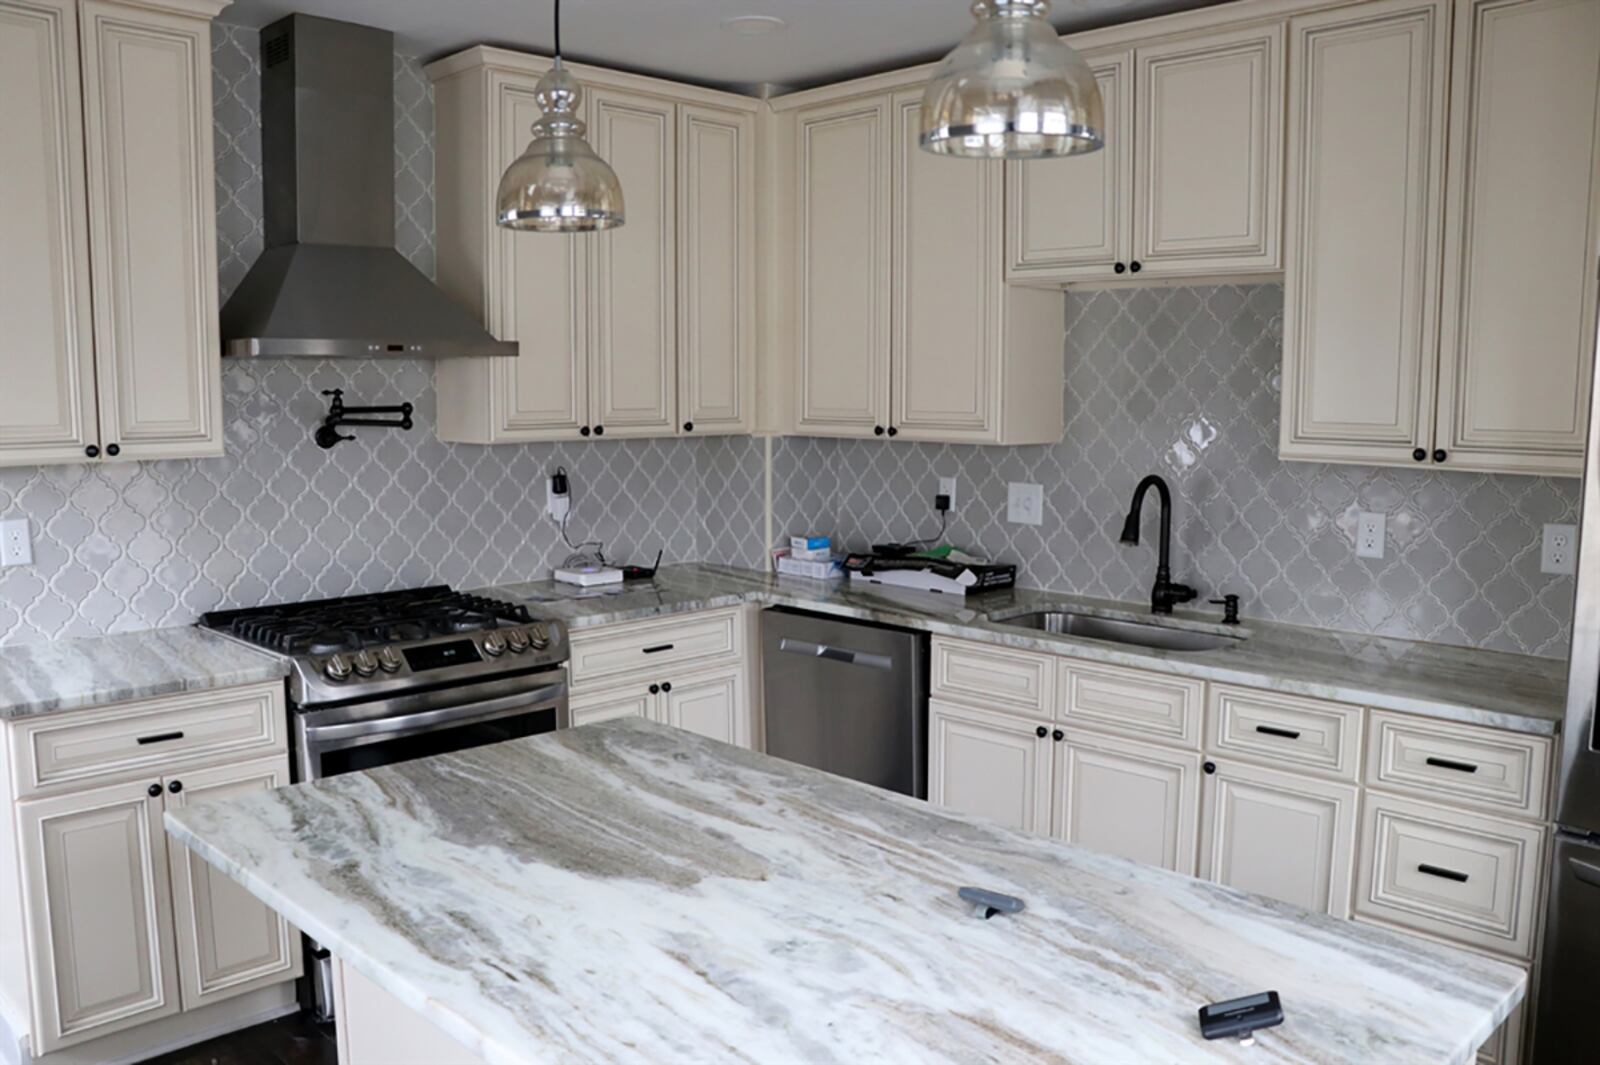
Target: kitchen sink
1112,630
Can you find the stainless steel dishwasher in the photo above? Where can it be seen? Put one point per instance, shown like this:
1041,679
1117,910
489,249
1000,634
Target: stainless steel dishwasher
848,697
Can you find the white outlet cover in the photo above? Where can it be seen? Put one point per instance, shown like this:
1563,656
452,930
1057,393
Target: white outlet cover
1370,531
1559,552
16,544
1024,504
555,505
947,487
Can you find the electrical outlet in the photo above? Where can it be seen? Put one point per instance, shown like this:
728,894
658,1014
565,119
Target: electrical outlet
556,503
1369,535
1560,552
16,546
947,488
1025,504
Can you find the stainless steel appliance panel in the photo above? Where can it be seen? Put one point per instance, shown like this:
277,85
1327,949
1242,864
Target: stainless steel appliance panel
847,697
1565,1032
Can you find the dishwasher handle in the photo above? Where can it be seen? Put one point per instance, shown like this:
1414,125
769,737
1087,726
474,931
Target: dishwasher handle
836,654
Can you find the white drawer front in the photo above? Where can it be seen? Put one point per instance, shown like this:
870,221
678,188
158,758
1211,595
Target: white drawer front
129,737
1283,729
620,652
1461,876
1130,701
1504,772
993,677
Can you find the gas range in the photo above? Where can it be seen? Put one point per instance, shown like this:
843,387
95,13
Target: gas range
368,646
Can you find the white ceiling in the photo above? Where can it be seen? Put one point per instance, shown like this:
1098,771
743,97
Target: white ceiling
823,40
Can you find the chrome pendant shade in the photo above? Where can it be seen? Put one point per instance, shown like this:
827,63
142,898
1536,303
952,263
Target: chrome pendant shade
559,185
1012,90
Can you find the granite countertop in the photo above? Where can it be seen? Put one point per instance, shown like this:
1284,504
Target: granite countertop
630,892
62,675
1515,692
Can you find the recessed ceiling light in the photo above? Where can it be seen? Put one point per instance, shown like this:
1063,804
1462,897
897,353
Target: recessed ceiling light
753,25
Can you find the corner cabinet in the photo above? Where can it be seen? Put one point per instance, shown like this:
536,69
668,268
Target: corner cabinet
644,330
1430,316
109,342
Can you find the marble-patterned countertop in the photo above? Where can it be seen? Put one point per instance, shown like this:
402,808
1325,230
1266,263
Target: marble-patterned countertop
1516,692
62,675
629,892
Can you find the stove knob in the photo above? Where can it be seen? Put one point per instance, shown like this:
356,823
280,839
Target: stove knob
494,645
518,640
388,661
365,664
538,635
337,667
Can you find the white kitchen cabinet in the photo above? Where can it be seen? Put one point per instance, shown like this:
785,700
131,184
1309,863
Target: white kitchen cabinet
1284,835
228,941
714,704
108,324
716,270
634,701
99,908
1136,800
1522,236
993,765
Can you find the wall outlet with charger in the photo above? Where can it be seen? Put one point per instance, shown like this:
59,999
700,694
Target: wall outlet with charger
1559,552
16,544
558,495
947,488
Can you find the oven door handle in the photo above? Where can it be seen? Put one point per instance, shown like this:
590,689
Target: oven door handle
449,716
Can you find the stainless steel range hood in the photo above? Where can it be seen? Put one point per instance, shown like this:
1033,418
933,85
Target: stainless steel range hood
330,283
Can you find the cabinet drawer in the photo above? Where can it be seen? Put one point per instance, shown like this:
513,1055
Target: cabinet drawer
1468,878
620,652
1127,700
993,677
129,737
1504,772
1283,729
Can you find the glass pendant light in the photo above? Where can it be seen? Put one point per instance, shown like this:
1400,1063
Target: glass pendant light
559,185
1012,90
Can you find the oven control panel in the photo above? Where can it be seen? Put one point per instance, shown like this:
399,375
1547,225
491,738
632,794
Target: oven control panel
507,645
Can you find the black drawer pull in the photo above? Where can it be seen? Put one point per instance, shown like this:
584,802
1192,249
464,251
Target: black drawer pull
161,737
1441,873
1445,763
1273,730
658,648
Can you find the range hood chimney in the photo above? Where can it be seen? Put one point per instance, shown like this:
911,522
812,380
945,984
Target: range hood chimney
330,283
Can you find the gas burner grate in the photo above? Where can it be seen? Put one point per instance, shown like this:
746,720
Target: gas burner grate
323,626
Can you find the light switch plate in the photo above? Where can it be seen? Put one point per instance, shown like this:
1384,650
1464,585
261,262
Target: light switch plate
1025,504
1369,535
16,545
1559,553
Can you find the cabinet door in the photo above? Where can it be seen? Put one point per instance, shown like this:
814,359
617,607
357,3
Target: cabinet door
716,270
1518,336
635,700
842,240
710,704
47,407
1071,219
992,765
1208,151
94,871
633,298
1134,800
946,288
1279,834
1364,204
229,942
152,231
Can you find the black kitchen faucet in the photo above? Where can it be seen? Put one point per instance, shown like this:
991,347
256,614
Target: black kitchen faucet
1164,593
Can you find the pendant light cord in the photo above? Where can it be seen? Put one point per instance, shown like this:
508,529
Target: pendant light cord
558,29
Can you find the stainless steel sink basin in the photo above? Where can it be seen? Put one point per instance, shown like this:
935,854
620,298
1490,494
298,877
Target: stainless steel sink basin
1132,632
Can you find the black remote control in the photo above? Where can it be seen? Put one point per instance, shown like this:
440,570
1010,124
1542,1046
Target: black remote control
1240,1016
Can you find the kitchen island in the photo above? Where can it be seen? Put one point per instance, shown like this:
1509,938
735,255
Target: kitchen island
630,892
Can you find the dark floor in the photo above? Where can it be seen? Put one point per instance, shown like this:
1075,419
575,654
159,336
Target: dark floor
291,1040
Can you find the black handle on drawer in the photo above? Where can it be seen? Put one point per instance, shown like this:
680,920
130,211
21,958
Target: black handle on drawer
1445,763
658,648
1442,873
160,737
1273,730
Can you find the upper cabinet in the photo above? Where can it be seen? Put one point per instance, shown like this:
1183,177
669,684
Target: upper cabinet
1188,182
1430,315
108,315
644,330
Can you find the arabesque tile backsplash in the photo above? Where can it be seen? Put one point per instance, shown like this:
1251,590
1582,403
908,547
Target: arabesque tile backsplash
1182,381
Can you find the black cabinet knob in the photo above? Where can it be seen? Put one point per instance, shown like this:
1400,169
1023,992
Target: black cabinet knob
1136,266
113,450
93,451
175,787
655,689
1440,454
877,430
1041,732
1421,454
1058,735
666,685
893,431
1210,767
154,791
688,427
1119,268
583,431
599,430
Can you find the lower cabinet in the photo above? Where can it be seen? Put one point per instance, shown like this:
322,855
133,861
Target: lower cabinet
1284,835
993,765
1135,800
713,703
